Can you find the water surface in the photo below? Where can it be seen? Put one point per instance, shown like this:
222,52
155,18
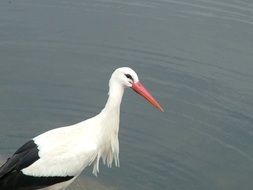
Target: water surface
195,56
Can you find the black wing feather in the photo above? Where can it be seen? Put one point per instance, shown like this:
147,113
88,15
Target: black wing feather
12,178
23,157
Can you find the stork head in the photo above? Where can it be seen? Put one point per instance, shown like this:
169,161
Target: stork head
128,78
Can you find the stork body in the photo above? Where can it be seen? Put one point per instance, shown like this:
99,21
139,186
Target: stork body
54,159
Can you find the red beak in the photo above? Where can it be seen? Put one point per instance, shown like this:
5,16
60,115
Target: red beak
140,89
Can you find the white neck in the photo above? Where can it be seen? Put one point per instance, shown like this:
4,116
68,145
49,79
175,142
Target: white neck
110,115
116,92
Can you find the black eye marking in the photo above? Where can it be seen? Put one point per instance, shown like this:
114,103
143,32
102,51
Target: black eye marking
129,76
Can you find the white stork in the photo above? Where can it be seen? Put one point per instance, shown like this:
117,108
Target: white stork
54,159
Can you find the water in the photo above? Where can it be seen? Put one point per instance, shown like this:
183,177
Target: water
195,57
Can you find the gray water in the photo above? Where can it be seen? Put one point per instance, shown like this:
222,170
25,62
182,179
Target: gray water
195,56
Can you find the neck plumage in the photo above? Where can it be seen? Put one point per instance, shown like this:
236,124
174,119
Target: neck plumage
115,93
110,115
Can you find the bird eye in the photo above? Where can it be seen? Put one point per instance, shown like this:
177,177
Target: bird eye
129,77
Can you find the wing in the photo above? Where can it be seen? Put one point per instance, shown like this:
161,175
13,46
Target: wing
23,157
55,156
63,151
12,178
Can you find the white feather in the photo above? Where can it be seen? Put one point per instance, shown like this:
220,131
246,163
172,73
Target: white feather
66,151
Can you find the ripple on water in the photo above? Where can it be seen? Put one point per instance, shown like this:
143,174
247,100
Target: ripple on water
186,53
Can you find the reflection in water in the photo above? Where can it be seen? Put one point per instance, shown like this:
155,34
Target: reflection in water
89,184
